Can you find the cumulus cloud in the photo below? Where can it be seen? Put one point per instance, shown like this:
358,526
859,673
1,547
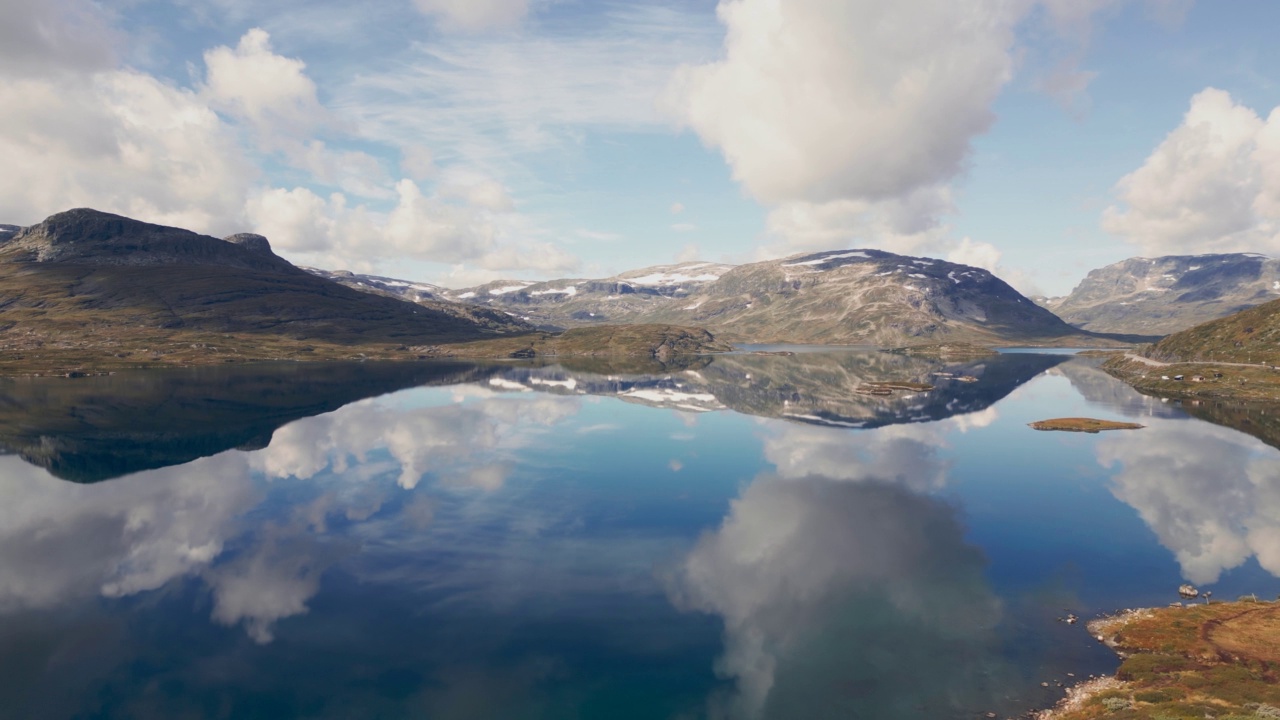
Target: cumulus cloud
123,142
1211,495
420,226
900,610
1212,185
474,15
270,92
855,100
907,224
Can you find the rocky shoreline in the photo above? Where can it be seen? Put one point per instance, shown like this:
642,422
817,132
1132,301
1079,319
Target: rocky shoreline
1200,660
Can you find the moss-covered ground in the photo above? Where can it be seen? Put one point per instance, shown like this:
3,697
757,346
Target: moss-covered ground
1219,660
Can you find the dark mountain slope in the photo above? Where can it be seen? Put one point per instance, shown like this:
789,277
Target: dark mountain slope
84,271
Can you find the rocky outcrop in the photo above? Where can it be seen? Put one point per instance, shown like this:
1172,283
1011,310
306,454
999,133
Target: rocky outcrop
251,242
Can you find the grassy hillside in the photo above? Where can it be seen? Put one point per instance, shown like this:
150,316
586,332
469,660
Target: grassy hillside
1249,336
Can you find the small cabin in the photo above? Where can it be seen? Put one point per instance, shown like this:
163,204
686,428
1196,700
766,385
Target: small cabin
1197,378
1177,378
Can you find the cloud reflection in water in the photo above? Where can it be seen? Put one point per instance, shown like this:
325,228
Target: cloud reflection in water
1210,494
62,542
845,591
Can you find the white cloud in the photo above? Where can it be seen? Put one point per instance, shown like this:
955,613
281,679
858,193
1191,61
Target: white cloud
684,227
492,103
475,15
853,100
50,36
597,235
417,162
480,192
688,253
122,142
981,255
271,92
909,224
420,226
677,208
1212,185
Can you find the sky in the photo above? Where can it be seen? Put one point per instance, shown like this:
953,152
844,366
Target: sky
462,141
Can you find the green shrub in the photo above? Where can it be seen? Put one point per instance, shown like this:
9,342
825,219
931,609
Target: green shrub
1147,667
1115,703
1159,696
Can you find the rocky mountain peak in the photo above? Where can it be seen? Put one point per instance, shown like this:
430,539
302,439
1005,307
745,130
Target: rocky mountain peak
84,236
251,242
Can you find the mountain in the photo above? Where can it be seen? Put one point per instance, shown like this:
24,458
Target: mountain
1158,296
378,285
87,291
865,296
631,297
88,271
835,297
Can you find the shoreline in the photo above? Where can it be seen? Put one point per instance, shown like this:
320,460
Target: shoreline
1195,660
112,350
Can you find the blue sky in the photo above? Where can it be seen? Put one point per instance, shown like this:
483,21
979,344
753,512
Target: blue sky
459,141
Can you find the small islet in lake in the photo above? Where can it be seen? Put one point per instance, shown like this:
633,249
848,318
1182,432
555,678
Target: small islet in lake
737,536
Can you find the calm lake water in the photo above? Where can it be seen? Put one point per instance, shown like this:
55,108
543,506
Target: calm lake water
745,537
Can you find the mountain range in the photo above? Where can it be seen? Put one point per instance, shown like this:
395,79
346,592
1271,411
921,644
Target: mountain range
1159,296
87,288
100,282
836,297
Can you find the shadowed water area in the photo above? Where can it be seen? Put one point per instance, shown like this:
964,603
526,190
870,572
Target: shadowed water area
743,536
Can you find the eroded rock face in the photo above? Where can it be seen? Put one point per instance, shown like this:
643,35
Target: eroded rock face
8,231
252,242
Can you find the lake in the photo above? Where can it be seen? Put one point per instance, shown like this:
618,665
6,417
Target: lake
745,536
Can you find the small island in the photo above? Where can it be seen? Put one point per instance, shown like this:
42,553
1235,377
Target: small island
1206,660
1088,425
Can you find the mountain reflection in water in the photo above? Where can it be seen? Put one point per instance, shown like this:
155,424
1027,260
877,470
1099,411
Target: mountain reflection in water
741,537
98,428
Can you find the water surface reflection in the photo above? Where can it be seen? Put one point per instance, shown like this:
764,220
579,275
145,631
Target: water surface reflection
746,537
